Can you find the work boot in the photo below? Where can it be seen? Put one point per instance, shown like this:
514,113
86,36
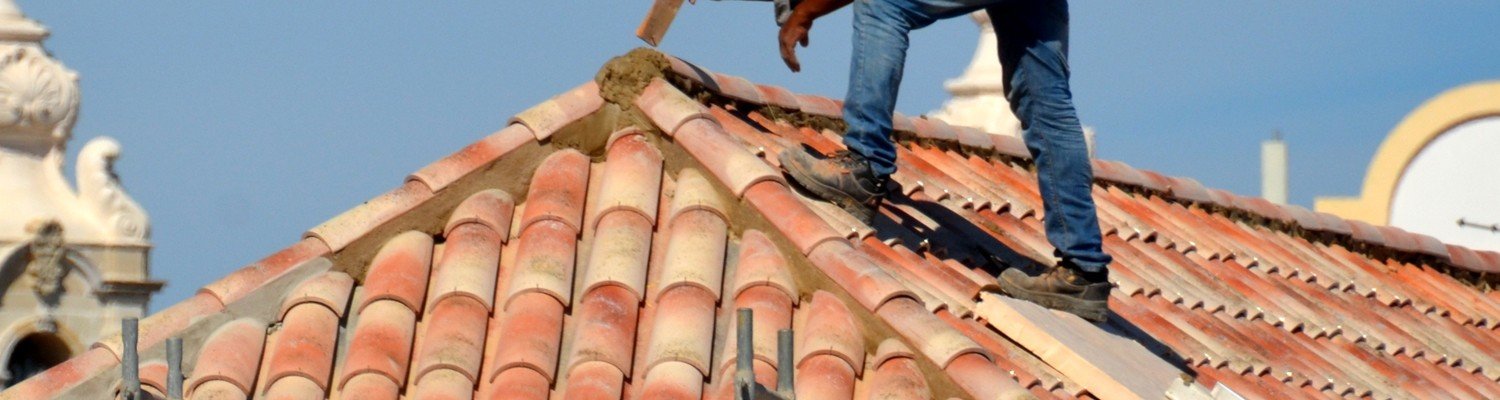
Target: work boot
844,179
1060,287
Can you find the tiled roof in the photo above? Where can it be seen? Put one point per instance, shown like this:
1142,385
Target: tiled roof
598,246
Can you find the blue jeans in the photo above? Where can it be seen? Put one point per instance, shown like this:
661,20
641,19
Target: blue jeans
1033,36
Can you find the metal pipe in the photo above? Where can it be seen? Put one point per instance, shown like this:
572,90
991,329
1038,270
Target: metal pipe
174,368
784,368
744,361
130,364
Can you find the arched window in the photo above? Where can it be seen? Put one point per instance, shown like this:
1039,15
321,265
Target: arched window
33,354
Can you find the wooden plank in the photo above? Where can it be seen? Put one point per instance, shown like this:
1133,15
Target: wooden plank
658,19
1109,366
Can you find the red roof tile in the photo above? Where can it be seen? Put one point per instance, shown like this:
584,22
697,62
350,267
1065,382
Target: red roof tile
617,276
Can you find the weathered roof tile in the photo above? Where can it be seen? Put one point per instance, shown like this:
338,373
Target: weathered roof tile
399,271
828,328
557,190
552,115
380,343
452,339
632,178
230,355
304,346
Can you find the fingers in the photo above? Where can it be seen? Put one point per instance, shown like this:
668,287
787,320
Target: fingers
789,56
788,39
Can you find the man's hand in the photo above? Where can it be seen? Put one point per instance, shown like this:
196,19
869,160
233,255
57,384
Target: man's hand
793,32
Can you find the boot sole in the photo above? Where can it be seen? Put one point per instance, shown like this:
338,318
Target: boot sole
829,193
1092,310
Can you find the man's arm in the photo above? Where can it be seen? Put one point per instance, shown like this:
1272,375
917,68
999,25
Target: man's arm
795,29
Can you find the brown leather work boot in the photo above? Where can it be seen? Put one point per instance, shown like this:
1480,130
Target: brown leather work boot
1060,287
843,179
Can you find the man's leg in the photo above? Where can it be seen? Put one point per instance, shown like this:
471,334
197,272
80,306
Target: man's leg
1033,53
855,179
881,29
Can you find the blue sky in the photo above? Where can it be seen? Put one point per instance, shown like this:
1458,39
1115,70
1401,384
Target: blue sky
245,123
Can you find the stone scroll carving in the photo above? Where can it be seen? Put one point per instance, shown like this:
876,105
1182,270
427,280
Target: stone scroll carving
100,189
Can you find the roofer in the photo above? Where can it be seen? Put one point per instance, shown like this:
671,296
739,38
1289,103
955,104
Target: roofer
1033,36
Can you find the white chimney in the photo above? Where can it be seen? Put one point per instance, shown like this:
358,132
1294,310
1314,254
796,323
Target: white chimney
1273,169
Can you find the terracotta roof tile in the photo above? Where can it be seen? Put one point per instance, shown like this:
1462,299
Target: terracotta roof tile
544,262
695,253
672,380
294,387
779,97
794,219
490,208
354,224
620,251
467,267
370,386
824,330
399,271
234,287
733,165
230,355
683,331
594,380
668,107
820,106
632,178
555,113
761,264
872,286
452,339
473,157
610,279
824,377
380,343
530,333
738,88
329,289
605,329
304,346
557,191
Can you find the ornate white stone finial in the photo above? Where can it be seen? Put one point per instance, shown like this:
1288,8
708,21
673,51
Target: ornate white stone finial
979,94
79,256
39,101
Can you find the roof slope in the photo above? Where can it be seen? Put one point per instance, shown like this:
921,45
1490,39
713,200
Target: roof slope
597,247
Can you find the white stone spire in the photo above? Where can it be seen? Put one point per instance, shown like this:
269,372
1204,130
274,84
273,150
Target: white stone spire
979,94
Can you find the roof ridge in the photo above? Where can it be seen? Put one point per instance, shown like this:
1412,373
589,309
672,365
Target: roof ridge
1477,268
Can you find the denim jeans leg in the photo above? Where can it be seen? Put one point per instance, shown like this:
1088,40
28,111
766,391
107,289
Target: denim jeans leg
1033,54
876,65
880,42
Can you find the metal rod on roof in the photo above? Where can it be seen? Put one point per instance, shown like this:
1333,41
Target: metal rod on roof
174,368
784,368
130,364
744,361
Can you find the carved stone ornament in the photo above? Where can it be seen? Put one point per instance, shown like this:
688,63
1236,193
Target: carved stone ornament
99,187
46,253
38,95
